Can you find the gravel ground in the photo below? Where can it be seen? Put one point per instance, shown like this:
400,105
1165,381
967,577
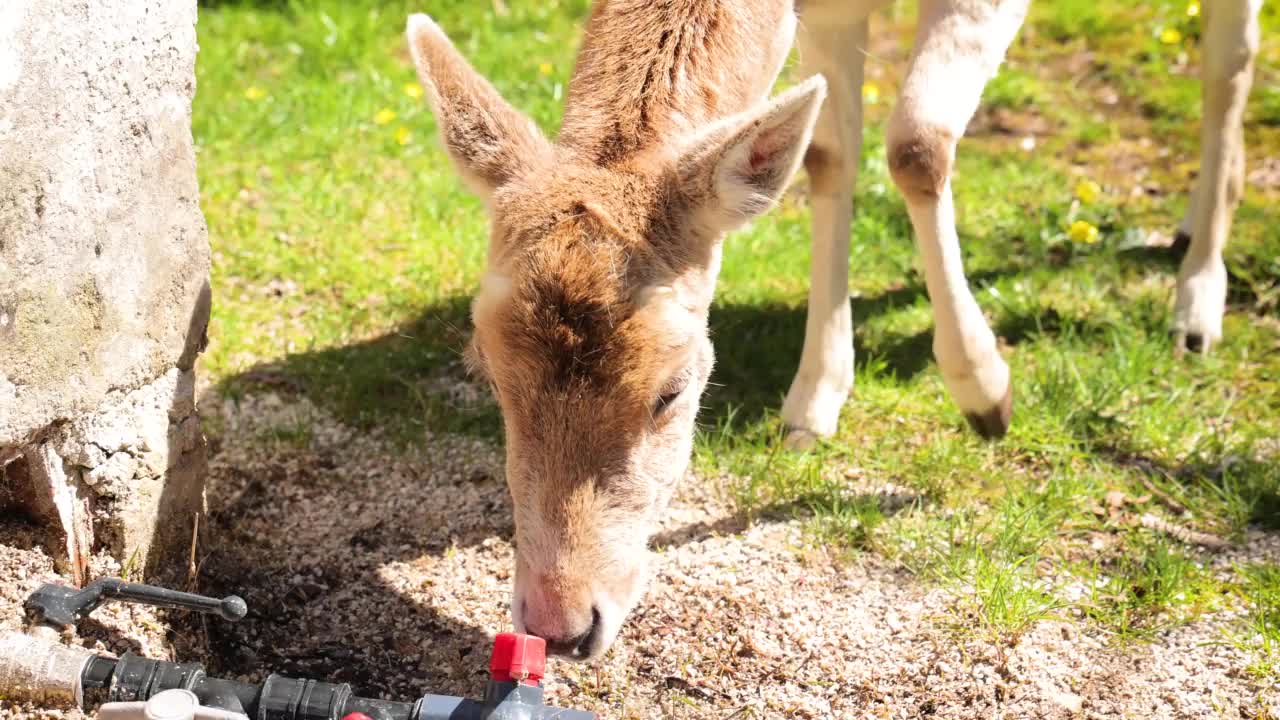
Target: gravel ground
390,569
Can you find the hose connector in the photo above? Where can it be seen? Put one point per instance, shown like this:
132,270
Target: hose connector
40,671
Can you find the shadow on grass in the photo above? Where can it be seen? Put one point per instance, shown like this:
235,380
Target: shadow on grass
275,5
1251,285
408,381
1254,481
412,380
1241,484
758,348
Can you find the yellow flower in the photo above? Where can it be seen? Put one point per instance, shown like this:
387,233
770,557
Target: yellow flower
1088,191
384,116
413,90
1193,9
1170,36
545,68
253,92
403,136
1082,231
870,93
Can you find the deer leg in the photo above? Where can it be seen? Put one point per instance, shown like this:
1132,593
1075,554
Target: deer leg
959,47
825,376
1231,42
1235,190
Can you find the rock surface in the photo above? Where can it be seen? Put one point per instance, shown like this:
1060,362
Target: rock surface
104,266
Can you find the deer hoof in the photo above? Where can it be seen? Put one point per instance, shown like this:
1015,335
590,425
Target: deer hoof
994,423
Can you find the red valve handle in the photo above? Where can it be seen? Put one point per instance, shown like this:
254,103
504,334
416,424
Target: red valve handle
518,657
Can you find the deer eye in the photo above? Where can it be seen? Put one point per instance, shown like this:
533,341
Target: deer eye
664,401
670,393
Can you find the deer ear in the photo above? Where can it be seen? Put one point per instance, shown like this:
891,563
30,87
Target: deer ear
489,141
737,169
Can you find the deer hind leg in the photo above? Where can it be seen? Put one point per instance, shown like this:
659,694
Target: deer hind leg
1231,42
959,46
825,376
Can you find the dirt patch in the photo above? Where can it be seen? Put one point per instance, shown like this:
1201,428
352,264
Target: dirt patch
389,568
1265,173
112,629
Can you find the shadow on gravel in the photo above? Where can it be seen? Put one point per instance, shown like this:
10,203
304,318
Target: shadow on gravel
320,535
306,532
872,508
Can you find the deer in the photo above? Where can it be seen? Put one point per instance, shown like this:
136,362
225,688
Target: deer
590,320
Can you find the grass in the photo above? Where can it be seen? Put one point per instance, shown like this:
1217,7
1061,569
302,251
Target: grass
345,252
1261,637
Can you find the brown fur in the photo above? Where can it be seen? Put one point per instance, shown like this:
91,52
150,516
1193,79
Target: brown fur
591,322
481,132
575,361
605,246
823,168
646,74
921,163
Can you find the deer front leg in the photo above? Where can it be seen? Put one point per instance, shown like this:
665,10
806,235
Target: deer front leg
825,376
959,46
1231,42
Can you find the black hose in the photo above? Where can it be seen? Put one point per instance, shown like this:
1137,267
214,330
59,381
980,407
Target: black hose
134,678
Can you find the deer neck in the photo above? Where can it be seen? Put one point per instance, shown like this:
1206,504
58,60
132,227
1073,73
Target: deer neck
653,71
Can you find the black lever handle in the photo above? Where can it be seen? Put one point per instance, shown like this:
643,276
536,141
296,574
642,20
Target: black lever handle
60,606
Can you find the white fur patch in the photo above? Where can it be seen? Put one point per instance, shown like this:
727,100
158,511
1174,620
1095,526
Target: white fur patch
675,321
495,289
1201,301
755,169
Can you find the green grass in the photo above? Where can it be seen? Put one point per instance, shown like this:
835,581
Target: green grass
1261,633
345,253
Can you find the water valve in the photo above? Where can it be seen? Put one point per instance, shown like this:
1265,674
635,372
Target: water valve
132,687
175,704
59,606
517,657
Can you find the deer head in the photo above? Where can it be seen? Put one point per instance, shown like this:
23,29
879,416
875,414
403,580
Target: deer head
591,318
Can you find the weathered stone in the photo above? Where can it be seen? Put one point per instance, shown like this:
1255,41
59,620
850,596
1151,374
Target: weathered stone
58,501
104,265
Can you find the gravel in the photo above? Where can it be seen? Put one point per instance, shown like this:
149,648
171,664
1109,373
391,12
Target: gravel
390,568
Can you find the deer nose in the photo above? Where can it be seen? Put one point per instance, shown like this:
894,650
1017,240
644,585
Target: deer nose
577,647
